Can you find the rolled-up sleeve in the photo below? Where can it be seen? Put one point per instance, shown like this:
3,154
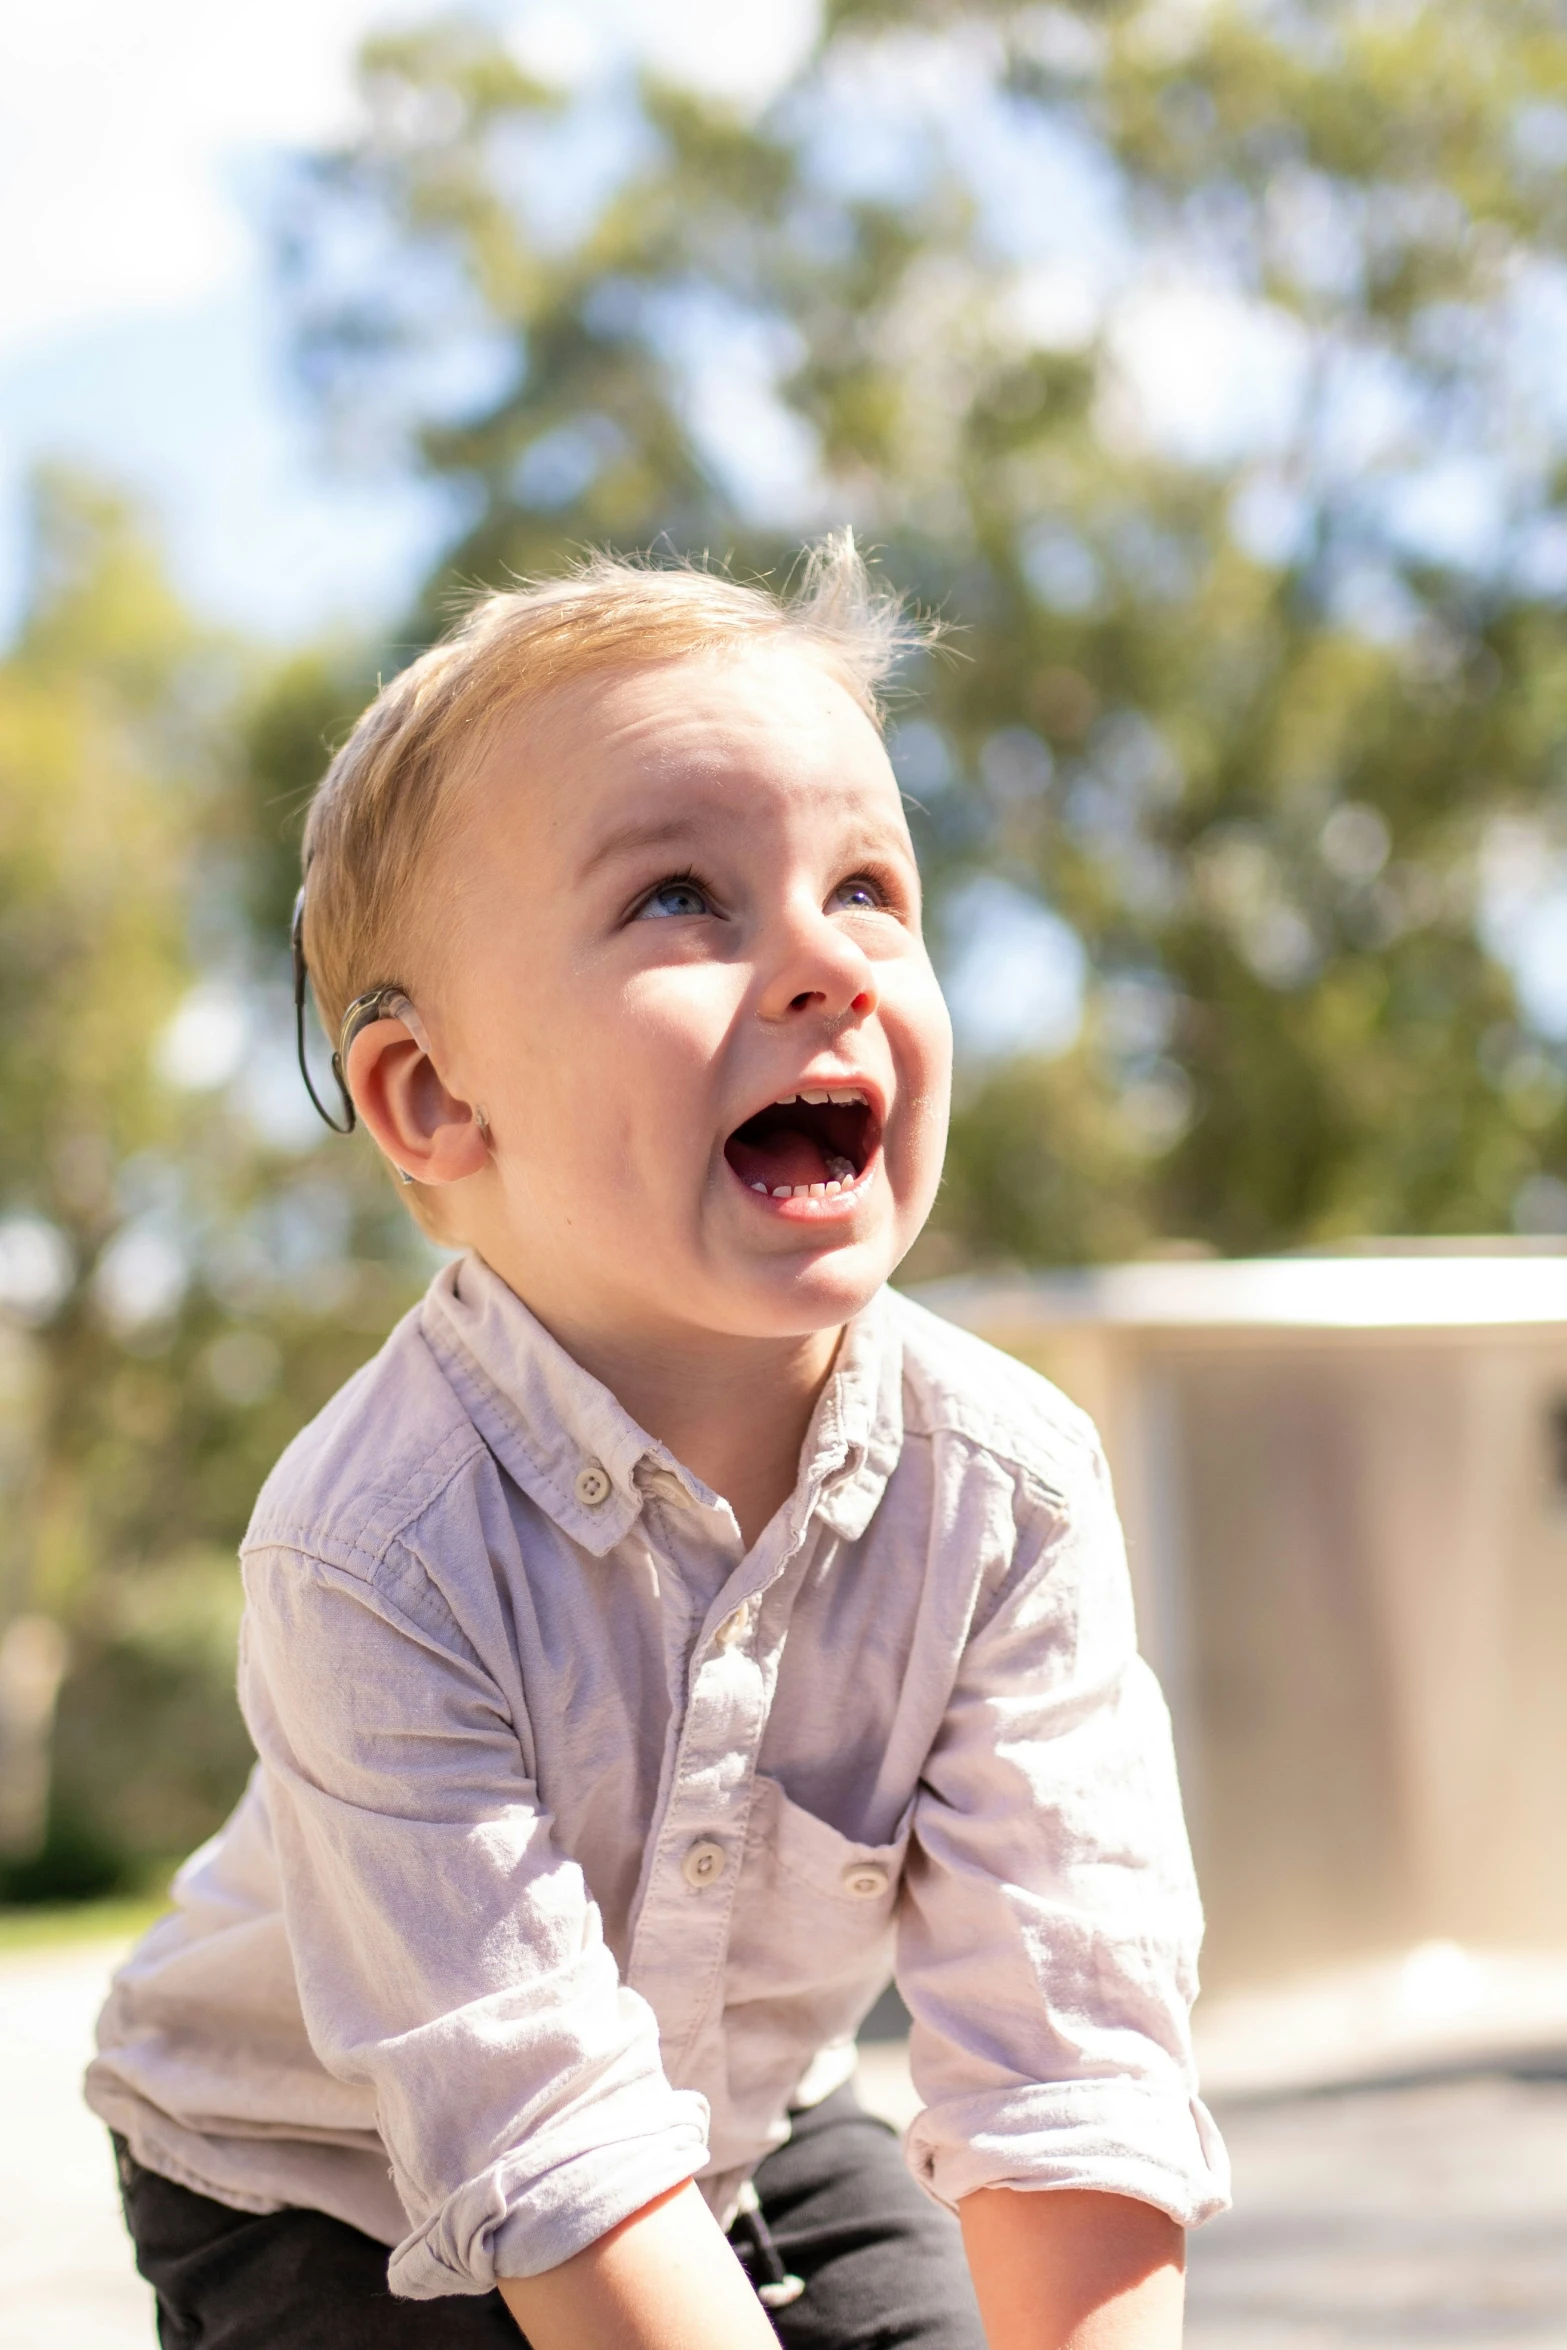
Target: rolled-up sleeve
1050,1924
449,1957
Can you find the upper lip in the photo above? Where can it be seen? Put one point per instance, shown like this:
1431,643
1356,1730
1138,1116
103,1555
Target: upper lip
820,1086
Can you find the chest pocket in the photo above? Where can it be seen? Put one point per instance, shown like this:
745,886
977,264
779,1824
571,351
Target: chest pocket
813,1914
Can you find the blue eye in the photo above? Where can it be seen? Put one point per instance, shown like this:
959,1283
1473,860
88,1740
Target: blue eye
673,899
859,894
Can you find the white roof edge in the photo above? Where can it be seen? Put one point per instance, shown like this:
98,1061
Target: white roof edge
1299,1293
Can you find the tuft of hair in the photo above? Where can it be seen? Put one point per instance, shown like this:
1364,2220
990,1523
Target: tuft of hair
379,807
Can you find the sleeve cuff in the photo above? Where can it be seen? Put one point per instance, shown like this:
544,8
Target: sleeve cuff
1113,2136
528,2214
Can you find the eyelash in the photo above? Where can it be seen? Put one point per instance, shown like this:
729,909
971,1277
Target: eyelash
882,890
687,879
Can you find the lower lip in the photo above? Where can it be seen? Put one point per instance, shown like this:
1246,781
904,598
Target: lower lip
833,1207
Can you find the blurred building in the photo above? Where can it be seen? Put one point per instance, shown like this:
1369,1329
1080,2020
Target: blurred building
1344,1481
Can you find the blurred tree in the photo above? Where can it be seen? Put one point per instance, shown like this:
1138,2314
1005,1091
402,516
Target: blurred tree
184,1276
1198,362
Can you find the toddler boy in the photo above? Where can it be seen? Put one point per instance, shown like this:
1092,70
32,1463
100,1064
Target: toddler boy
671,1631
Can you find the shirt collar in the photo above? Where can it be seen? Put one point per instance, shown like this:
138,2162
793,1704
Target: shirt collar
549,1422
856,1431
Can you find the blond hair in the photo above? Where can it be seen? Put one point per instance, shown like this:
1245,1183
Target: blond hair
378,809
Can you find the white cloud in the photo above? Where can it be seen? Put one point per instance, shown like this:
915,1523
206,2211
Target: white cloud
136,333
119,128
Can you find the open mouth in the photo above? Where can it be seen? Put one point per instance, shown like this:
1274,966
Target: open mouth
808,1145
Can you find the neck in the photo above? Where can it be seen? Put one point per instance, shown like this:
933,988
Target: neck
734,1411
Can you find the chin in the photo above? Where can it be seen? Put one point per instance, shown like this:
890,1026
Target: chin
794,1300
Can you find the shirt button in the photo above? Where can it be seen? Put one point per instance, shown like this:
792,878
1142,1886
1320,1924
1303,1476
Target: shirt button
703,1865
865,1879
593,1486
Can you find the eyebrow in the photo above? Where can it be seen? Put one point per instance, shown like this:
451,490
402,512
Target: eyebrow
691,832
655,833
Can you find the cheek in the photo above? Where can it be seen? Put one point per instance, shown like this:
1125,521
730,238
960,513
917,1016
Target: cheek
670,1032
625,1075
920,1028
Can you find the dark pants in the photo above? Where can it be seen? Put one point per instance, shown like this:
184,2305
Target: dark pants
883,2267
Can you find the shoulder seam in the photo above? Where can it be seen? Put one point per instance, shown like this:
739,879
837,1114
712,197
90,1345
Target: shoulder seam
946,1414
314,1542
1008,1453
1033,1405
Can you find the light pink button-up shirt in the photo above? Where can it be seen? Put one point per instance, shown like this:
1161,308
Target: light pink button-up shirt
582,1837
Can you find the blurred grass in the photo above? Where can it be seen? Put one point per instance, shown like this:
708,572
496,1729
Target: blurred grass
41,1926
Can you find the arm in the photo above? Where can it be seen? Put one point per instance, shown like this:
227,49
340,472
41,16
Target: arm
1073,2271
450,1960
663,2280
1049,1923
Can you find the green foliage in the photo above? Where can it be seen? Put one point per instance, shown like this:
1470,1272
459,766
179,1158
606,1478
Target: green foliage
150,1749
94,706
1224,708
185,1285
1254,767
1040,1170
288,729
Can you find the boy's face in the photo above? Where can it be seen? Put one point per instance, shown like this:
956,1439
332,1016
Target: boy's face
686,980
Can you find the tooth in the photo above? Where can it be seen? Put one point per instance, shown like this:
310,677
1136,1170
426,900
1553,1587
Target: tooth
782,1191
845,1097
802,1191
818,1097
762,1188
818,1191
830,1188
784,1099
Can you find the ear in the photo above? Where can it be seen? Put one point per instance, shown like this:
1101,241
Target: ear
425,1130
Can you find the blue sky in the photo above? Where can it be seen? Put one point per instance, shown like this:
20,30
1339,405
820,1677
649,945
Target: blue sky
140,335
138,329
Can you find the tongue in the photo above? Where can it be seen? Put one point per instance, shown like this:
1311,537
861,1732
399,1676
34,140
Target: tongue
784,1156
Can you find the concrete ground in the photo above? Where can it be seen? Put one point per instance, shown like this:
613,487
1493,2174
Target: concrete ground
1429,2212
66,2277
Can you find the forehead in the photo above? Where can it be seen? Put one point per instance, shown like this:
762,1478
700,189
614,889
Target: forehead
767,734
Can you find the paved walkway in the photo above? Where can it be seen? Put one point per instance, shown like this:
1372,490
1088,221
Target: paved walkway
66,2279
1433,2214
1430,2215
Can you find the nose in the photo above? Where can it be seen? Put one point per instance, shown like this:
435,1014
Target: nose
818,967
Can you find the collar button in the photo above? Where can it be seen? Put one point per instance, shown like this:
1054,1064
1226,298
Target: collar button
592,1487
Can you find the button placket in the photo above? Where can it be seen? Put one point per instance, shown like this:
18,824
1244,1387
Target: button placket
681,1939
682,1935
